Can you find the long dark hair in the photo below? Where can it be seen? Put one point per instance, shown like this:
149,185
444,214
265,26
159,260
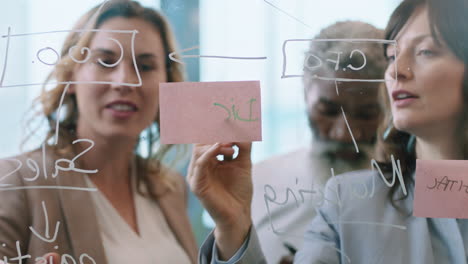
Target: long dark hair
448,20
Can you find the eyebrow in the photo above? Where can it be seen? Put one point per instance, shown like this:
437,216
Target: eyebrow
139,56
418,38
105,51
147,56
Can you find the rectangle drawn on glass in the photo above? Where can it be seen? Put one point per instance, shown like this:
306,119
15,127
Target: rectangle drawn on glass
315,63
44,54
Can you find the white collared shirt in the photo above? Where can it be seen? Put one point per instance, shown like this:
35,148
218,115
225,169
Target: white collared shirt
155,244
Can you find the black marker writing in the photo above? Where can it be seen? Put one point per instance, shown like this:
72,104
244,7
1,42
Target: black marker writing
446,184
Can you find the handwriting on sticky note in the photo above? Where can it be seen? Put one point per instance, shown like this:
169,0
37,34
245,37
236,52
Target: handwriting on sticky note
235,113
441,188
209,112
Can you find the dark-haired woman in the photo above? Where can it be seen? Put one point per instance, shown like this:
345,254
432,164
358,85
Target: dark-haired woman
427,93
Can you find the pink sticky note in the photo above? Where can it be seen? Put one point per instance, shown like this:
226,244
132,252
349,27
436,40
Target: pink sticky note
209,112
441,188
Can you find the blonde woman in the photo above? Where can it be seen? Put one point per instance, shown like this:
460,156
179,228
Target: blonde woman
85,195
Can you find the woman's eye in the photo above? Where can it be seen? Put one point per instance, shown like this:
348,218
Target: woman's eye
390,55
426,52
145,67
104,62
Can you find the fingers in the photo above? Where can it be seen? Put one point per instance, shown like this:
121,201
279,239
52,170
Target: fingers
49,258
211,151
52,258
198,150
245,149
204,155
208,157
225,149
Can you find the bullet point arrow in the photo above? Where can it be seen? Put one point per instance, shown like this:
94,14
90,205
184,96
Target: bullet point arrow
47,234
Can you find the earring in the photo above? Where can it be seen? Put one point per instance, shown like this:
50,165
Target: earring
388,130
410,144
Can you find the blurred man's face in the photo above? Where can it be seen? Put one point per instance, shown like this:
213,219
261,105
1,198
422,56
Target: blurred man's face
359,101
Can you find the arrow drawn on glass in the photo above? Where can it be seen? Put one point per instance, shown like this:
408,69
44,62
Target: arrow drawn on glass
173,54
47,234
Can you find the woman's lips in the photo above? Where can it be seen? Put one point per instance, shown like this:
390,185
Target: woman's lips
402,98
404,102
121,109
120,114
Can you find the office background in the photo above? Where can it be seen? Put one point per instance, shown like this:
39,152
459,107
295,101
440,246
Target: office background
243,28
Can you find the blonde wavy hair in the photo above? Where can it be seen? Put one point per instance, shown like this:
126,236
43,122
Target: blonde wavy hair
49,100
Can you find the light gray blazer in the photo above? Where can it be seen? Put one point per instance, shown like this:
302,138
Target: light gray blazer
21,210
287,188
358,224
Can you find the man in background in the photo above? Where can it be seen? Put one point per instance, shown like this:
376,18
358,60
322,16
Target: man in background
287,188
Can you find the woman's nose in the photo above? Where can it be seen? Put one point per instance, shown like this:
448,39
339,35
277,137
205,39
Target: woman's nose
401,68
124,74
